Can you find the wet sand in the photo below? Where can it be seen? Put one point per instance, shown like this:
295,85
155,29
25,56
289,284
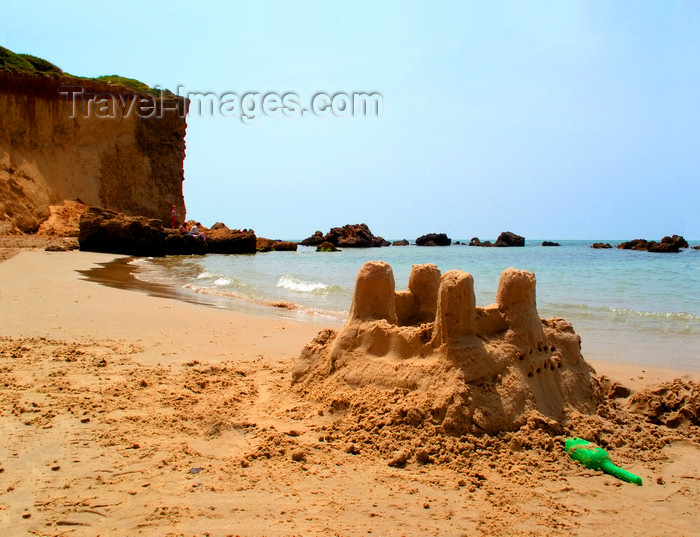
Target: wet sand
125,413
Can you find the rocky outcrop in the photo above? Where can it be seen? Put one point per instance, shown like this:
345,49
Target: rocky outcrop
466,368
550,243
505,239
509,239
671,244
601,245
348,236
402,242
433,239
284,246
128,163
107,231
271,245
327,247
314,240
476,242
64,219
102,230
222,240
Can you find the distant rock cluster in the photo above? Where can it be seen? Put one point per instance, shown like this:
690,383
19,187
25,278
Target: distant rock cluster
506,238
671,244
348,236
270,245
433,239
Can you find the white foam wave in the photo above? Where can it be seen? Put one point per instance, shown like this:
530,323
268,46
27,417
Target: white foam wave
204,275
628,312
222,282
295,284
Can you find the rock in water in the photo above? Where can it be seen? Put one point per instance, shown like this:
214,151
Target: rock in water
469,369
348,236
433,239
509,239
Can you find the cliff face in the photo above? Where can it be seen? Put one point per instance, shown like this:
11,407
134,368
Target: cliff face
121,161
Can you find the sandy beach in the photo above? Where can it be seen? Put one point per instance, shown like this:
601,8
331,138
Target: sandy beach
128,414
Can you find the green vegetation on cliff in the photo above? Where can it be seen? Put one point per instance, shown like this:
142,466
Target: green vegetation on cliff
26,63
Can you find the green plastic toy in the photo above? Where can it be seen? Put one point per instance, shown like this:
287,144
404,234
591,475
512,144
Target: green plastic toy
596,458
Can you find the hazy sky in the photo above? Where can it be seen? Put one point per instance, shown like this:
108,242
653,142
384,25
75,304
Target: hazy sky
557,119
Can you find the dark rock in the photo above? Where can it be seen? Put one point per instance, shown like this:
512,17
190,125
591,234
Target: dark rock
284,246
433,239
402,242
177,243
509,239
601,245
68,245
327,247
636,244
314,240
475,242
549,243
102,230
348,236
696,247
353,236
678,239
667,245
263,245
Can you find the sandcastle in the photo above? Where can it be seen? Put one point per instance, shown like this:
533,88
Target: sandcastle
468,369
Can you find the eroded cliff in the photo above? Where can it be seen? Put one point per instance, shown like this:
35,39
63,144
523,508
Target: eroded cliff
58,146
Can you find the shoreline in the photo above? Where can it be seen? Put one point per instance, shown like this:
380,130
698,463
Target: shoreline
113,272
130,414
119,273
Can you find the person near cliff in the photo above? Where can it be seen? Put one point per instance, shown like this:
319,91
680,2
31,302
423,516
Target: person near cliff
173,217
195,232
183,228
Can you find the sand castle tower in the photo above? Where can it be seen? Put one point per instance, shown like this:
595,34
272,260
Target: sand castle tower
469,368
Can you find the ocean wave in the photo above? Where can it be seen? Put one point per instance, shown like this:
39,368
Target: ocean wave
300,286
280,304
222,282
680,316
205,275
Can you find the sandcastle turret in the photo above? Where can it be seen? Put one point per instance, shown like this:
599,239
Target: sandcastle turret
374,296
516,299
418,304
456,307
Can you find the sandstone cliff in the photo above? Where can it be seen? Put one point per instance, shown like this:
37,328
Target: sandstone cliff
127,163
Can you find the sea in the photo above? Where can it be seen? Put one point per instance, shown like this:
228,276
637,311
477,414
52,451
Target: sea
631,307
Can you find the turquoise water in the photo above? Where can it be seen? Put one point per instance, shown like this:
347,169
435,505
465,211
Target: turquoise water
633,307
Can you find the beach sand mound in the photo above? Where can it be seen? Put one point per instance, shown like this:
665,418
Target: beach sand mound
429,357
673,404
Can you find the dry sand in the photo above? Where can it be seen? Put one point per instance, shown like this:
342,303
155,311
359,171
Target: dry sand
127,414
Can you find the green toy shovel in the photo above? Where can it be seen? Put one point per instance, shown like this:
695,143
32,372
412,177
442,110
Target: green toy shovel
596,458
